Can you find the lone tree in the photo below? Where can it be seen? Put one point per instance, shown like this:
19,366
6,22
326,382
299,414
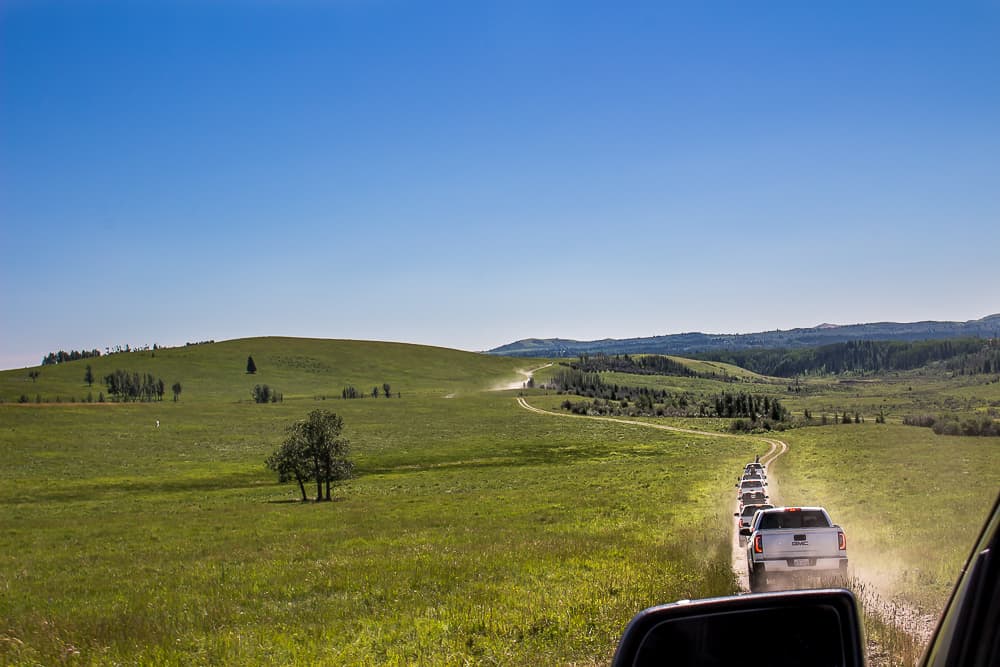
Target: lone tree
34,375
177,390
313,451
88,376
251,366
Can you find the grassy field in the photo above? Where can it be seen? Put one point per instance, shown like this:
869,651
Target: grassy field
474,531
911,502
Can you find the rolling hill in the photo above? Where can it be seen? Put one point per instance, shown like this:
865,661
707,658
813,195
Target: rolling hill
296,367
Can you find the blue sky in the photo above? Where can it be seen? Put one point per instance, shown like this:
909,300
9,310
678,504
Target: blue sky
467,174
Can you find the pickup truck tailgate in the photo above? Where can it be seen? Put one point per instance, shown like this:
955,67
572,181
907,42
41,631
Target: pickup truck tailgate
794,543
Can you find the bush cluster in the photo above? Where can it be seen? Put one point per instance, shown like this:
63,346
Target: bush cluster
953,425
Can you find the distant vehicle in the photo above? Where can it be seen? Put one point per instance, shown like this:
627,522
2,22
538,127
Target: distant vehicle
752,474
759,467
750,486
752,498
793,542
745,516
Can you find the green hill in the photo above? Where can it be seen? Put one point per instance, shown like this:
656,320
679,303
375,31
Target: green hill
718,367
296,367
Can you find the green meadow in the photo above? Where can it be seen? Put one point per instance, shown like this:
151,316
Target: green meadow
473,532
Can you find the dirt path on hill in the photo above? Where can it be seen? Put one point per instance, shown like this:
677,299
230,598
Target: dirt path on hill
519,384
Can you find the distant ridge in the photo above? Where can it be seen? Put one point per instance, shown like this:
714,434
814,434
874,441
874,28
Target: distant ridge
823,334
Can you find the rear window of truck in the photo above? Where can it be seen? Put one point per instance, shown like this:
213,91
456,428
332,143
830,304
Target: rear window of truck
800,519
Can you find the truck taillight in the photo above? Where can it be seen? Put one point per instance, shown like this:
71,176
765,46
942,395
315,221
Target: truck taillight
758,546
842,541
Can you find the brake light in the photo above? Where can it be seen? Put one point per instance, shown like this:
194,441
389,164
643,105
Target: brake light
758,546
842,541
794,509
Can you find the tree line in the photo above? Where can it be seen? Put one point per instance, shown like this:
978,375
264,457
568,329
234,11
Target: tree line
647,364
749,406
862,356
350,391
986,360
53,358
614,399
126,385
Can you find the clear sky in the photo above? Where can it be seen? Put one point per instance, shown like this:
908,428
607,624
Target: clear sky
467,174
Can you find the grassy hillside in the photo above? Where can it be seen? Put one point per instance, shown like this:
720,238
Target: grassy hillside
298,367
912,502
718,367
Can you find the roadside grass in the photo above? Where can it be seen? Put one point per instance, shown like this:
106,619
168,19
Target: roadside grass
889,628
475,532
911,502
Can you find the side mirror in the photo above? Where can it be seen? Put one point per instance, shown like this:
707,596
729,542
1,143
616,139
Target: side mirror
736,513
817,627
745,532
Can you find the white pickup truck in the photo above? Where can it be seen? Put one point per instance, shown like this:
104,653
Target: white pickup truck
793,542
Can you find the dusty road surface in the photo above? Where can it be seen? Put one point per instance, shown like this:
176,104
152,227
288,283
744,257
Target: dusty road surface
778,448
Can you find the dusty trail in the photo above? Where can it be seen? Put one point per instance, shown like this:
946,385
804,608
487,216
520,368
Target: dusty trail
739,559
519,384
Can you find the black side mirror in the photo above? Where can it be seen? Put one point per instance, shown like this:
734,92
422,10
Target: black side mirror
817,627
745,532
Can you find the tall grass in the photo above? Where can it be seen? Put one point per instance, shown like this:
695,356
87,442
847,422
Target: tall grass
895,636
